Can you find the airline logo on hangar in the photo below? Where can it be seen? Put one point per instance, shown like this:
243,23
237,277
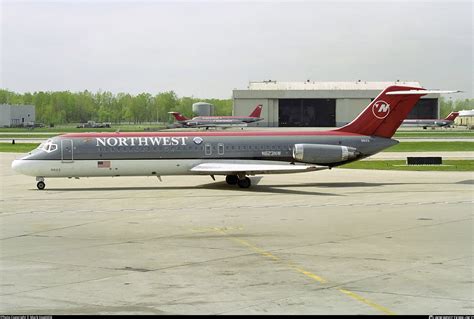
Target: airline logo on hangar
381,109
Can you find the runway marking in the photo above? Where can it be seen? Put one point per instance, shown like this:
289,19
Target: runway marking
258,250
310,275
366,301
293,266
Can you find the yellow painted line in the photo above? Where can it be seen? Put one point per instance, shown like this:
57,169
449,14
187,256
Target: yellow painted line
309,274
366,301
255,248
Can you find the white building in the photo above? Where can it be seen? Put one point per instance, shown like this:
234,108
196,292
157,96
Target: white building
16,115
319,104
465,118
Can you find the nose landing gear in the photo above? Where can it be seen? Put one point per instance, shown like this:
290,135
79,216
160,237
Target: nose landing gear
41,185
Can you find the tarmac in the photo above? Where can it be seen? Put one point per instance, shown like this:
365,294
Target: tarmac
338,241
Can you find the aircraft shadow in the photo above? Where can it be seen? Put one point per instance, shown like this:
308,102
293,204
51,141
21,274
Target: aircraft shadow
255,188
296,189
467,182
214,186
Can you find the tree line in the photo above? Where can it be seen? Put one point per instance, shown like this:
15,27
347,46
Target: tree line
78,107
447,106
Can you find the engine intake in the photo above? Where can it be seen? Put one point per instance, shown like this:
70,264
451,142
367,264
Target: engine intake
323,154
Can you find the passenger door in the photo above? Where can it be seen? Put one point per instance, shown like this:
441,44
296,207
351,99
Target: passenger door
67,151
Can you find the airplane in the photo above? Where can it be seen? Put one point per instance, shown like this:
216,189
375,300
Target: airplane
449,120
234,154
223,121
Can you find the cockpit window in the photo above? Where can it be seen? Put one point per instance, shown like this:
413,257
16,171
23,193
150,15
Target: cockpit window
48,146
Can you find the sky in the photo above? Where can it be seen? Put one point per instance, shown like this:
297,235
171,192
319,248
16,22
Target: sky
205,49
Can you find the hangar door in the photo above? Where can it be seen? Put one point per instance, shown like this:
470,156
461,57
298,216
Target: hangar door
425,109
307,112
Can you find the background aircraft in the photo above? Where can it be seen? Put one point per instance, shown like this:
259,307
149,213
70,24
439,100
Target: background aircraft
449,120
212,121
233,154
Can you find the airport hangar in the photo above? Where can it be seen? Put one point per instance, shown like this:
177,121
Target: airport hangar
16,115
318,104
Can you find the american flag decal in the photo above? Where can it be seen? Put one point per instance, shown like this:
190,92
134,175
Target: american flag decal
103,164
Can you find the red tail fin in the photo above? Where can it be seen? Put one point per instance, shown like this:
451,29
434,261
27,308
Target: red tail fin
452,116
178,116
384,115
256,112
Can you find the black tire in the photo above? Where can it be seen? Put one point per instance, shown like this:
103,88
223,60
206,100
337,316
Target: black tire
231,179
41,185
244,183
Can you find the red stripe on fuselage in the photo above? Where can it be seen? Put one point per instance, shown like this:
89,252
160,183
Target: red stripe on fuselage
243,134
222,117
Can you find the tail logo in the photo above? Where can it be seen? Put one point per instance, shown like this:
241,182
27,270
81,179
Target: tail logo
381,109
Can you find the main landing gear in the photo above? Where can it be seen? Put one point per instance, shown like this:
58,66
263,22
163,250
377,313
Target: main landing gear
41,185
242,181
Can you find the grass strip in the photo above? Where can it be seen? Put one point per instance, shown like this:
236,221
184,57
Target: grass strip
400,165
435,134
432,147
18,147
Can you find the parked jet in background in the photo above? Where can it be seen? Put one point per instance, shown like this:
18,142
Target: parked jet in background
223,121
449,120
233,154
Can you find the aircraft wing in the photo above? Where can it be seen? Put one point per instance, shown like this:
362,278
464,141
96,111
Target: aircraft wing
230,168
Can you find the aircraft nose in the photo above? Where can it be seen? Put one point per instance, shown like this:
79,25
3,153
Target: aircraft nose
18,165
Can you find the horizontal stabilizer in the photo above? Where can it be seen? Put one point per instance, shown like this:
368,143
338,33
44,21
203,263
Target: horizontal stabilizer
418,92
229,168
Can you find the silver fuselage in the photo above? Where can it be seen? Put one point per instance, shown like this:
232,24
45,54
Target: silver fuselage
75,155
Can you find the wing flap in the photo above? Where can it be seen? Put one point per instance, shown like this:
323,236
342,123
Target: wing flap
252,168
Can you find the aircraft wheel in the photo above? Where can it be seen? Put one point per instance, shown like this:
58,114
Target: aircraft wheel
41,185
231,179
244,183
